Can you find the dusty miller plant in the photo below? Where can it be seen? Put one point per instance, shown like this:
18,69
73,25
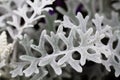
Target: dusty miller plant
38,45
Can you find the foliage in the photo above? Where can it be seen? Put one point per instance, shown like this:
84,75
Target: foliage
69,39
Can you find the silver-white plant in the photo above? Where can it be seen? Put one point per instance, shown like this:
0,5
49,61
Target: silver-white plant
23,53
